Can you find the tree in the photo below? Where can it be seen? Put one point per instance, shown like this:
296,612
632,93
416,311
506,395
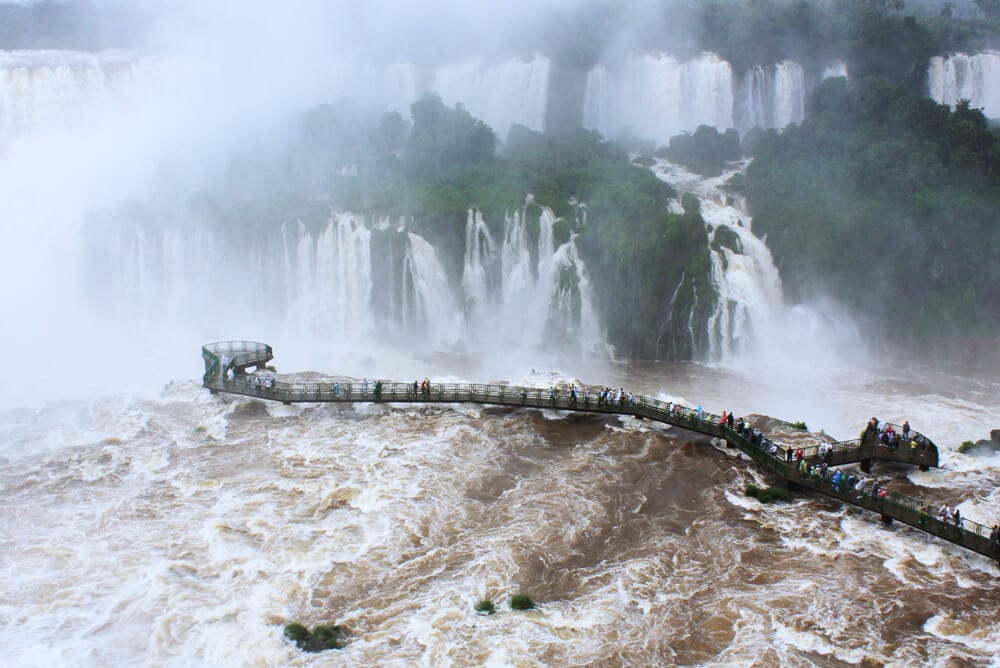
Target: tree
443,139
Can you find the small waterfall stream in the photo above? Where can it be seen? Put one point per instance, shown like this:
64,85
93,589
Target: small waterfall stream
751,322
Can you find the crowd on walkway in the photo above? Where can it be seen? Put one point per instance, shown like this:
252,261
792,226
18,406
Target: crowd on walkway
891,437
845,483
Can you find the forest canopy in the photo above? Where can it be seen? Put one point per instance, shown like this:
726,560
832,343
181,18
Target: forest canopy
887,200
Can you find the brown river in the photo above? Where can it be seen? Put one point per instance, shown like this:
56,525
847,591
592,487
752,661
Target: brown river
184,529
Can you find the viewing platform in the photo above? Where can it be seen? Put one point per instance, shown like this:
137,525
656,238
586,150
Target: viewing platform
780,458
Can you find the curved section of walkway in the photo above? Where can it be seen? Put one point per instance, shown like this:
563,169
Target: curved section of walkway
239,356
243,355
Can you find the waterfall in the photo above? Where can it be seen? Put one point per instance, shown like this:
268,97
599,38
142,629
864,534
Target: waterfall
655,96
498,93
543,290
963,77
754,98
521,291
519,276
751,322
772,97
837,68
332,279
789,94
478,266
428,308
46,91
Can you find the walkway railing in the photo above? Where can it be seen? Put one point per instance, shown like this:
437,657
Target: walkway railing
778,458
240,355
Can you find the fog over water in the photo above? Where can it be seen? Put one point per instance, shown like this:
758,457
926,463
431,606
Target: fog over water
146,522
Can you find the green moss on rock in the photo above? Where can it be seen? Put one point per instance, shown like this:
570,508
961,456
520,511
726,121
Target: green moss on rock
321,638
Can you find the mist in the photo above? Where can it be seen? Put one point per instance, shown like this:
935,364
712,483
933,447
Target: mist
201,102
207,82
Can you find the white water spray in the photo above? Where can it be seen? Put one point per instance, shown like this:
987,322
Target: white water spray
975,78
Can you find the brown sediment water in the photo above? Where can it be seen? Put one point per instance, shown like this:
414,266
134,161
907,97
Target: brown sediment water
188,529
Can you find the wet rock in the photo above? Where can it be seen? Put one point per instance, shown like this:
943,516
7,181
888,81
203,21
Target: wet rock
250,409
982,448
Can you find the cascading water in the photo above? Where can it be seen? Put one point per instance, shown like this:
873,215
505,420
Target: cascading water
963,77
46,91
751,322
479,268
789,94
332,278
428,308
528,293
499,93
524,291
655,96
837,68
772,97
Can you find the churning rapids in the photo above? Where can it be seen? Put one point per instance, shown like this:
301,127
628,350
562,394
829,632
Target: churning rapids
186,529
177,528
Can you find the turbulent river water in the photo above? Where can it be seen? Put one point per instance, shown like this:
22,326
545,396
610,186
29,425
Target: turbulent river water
177,528
187,529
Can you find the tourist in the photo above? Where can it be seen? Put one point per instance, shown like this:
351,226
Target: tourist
365,386
995,536
944,512
956,517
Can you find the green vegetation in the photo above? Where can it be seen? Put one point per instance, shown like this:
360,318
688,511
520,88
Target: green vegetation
769,495
319,639
799,425
887,201
979,447
875,38
521,602
706,151
655,264
486,607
